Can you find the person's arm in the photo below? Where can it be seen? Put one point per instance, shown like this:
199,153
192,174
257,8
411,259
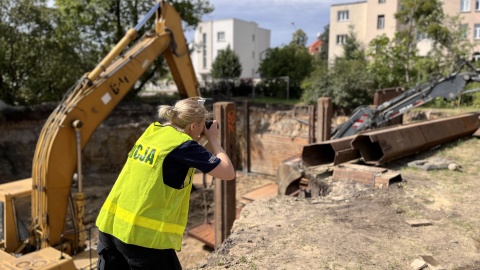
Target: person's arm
224,170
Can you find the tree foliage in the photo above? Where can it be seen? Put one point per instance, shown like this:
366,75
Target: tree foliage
292,62
419,17
44,49
397,62
227,65
38,59
387,63
323,54
104,23
352,49
347,82
299,38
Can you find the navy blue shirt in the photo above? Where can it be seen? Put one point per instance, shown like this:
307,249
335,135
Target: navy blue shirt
190,154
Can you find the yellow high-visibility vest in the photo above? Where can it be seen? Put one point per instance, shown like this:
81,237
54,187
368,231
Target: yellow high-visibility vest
140,209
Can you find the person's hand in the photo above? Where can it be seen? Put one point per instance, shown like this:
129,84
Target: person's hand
211,134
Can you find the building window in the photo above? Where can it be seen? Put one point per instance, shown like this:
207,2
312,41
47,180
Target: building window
476,31
381,22
477,5
204,50
221,36
342,15
253,38
382,1
465,5
341,39
476,57
464,30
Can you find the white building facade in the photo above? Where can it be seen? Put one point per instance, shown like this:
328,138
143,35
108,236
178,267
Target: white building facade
246,39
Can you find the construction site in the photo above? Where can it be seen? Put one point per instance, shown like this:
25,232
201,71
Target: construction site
392,186
410,206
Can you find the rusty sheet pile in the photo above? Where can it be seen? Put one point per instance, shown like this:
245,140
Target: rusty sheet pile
384,145
375,147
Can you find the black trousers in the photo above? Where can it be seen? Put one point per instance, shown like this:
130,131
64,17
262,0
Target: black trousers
113,254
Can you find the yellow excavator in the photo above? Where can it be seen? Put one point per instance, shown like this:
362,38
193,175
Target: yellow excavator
41,218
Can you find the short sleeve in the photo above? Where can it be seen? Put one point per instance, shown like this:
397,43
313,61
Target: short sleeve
190,154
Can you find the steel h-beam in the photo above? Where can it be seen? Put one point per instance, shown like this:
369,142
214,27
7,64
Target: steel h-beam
390,143
382,146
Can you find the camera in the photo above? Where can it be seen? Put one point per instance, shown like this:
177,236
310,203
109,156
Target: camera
208,123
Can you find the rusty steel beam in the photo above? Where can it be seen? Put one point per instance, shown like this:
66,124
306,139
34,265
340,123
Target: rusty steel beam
332,151
382,146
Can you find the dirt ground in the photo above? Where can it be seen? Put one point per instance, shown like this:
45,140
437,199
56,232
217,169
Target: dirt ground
352,226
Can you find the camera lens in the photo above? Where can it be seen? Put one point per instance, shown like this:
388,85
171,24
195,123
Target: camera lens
208,123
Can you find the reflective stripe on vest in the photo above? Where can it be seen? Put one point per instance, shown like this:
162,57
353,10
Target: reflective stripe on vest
140,209
145,222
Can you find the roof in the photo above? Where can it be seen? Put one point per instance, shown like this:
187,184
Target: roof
315,46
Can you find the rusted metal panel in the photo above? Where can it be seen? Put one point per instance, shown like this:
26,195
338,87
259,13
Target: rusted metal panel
332,151
367,175
381,146
477,133
288,173
386,94
324,118
225,191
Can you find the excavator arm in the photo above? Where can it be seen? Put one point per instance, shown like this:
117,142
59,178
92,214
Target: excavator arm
449,87
72,123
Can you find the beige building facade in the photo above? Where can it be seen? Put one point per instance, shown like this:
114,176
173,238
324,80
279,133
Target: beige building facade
372,18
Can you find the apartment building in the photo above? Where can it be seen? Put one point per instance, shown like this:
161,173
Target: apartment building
372,18
246,39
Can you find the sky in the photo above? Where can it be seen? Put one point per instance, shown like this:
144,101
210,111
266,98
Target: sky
281,17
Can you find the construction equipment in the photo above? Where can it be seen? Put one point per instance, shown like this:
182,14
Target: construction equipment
41,221
450,87
358,138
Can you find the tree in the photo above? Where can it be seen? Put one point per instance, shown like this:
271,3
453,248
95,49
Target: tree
225,68
396,62
418,17
299,38
38,61
352,50
226,65
443,56
387,63
347,82
323,54
292,62
45,49
104,23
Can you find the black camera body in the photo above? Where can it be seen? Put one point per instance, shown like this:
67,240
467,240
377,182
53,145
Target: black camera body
208,123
